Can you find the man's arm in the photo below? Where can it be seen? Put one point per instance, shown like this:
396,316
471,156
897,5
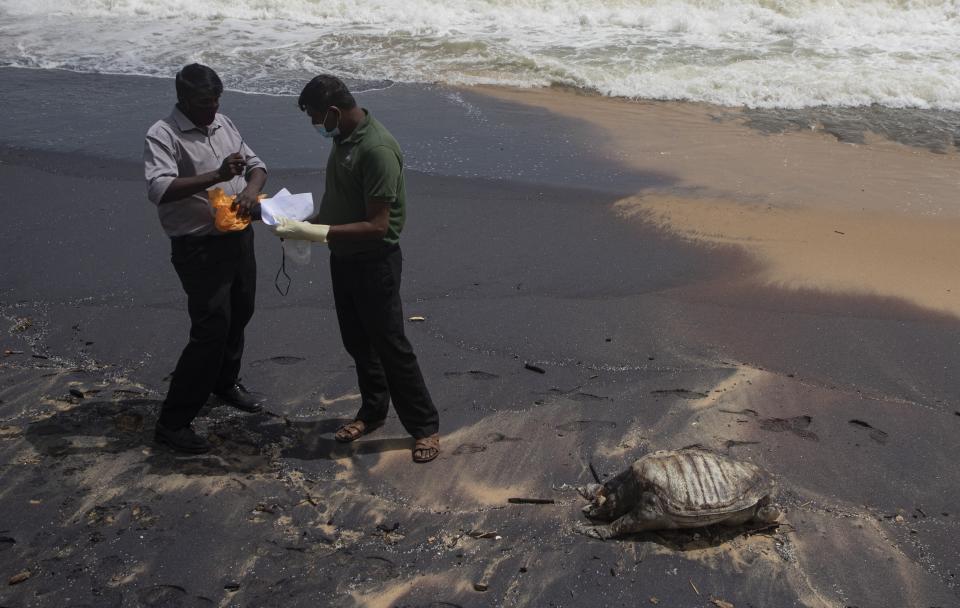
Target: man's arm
372,229
182,187
247,204
164,183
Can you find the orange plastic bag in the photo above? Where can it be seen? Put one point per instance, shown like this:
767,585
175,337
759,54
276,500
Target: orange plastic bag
226,219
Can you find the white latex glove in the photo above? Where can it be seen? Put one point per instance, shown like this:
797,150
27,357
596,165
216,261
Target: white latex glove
303,231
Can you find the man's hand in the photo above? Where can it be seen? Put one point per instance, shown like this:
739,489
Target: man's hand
232,166
246,205
304,231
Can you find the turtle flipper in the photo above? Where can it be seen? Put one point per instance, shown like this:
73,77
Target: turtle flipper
648,515
599,532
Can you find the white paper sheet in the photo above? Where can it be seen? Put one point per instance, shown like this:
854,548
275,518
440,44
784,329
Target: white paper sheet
283,204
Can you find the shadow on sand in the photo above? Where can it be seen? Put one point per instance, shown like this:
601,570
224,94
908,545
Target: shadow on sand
241,443
695,539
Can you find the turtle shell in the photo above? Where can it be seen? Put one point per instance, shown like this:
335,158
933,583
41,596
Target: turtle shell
700,484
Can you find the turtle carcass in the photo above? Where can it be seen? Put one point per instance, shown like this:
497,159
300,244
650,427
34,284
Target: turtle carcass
686,488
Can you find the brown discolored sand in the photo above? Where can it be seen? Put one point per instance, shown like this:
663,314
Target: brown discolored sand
864,253
699,296
879,220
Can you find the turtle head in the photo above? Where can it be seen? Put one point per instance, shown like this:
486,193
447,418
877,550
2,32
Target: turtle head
590,490
604,504
768,513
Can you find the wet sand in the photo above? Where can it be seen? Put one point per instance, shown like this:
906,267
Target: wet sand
680,278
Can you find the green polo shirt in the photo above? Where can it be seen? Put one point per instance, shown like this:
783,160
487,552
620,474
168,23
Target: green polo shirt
366,164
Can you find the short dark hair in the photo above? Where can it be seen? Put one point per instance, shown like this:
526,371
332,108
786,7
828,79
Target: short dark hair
325,91
197,79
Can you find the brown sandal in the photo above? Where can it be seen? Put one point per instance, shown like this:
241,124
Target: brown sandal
426,449
355,430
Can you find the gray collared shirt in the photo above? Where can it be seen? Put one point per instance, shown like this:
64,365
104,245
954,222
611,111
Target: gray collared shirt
175,147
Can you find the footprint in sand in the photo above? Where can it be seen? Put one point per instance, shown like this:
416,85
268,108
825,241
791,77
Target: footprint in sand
163,595
796,425
877,435
476,448
377,567
469,448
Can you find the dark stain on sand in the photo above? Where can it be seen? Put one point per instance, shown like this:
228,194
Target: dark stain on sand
877,435
796,425
119,424
683,393
745,411
242,444
279,360
476,374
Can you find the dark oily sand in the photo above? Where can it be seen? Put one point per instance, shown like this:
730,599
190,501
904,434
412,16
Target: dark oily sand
935,130
859,435
278,360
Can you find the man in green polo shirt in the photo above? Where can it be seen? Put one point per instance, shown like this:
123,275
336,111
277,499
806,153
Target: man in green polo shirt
361,216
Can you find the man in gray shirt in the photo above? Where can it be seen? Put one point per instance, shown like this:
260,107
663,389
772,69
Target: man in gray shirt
184,155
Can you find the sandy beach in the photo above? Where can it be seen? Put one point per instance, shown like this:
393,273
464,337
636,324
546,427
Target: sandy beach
680,277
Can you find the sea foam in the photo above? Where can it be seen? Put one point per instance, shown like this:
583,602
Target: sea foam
757,53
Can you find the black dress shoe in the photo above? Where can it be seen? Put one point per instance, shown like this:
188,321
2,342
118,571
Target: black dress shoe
238,397
182,439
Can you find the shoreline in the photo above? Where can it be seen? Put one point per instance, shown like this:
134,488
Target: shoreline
934,129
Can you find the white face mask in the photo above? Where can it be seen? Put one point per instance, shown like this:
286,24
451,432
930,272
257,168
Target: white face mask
323,130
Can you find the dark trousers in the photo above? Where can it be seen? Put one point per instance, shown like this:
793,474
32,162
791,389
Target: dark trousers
366,290
219,276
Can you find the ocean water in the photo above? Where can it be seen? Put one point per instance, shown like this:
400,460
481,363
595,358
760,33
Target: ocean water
761,54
